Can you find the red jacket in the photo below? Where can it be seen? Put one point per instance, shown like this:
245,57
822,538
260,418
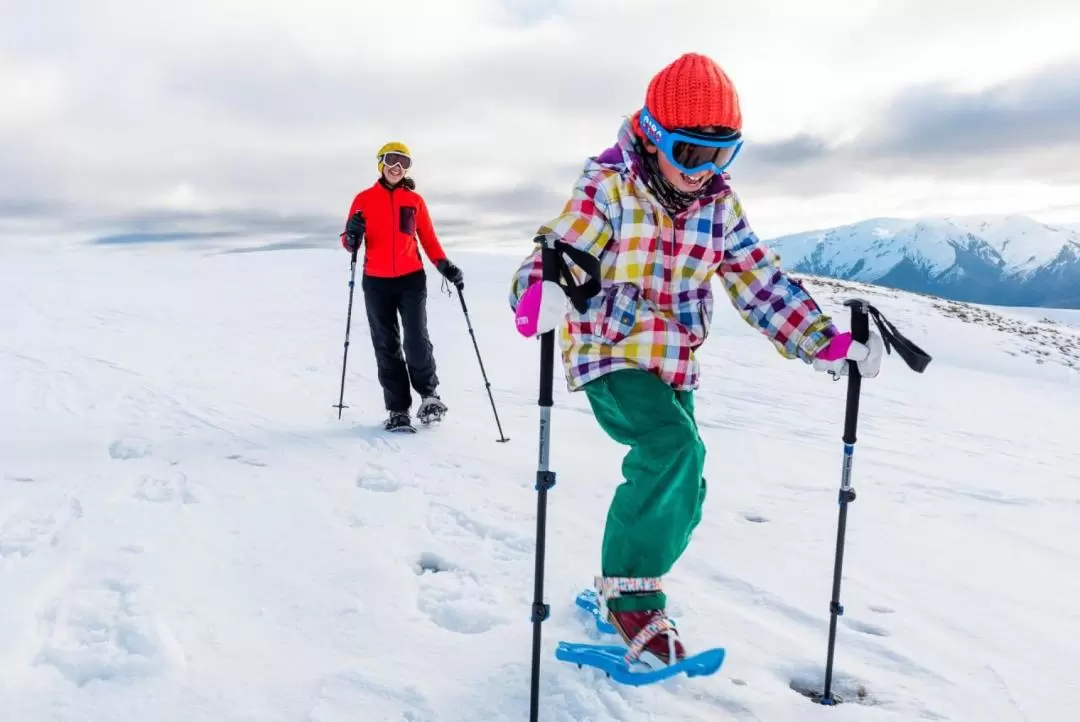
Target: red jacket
394,218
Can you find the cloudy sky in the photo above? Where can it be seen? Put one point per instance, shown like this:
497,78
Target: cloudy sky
121,118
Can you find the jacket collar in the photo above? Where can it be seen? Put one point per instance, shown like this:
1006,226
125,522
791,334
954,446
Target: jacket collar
625,157
407,183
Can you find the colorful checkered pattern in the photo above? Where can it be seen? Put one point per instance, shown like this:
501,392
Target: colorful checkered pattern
656,305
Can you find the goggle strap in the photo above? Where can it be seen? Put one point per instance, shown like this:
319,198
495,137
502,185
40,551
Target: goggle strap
657,133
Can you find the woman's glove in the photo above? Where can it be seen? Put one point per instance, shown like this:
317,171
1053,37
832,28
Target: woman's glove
354,232
451,272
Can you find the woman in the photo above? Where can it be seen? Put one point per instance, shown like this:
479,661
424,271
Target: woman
392,216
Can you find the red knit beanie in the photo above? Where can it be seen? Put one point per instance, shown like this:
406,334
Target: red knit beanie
692,92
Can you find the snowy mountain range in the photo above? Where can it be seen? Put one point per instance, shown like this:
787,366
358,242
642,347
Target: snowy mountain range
1008,261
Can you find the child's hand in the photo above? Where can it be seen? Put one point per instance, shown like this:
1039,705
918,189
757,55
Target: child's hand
541,309
833,359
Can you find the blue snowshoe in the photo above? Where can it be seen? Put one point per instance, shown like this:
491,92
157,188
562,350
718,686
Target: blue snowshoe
634,664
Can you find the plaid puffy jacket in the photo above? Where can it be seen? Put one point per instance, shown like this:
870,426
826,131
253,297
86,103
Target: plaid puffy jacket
656,305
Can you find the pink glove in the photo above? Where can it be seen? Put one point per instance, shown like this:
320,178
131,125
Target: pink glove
541,309
837,348
842,348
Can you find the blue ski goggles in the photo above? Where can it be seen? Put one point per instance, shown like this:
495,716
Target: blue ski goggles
691,151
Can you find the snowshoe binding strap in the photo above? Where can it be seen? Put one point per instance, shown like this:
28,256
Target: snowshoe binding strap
578,293
916,359
612,587
661,625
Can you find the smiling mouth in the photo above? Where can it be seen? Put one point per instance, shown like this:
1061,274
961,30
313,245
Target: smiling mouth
694,180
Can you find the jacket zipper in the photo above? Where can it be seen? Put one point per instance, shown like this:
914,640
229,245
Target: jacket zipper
393,234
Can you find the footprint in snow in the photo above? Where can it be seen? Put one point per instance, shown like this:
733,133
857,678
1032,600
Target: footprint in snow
866,628
341,697
172,487
378,479
878,609
848,689
432,563
446,521
101,631
22,536
129,448
454,599
245,460
755,518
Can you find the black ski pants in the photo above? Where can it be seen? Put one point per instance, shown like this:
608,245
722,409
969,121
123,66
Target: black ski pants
385,299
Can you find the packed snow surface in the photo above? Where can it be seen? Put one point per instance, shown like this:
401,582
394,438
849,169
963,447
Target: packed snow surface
189,534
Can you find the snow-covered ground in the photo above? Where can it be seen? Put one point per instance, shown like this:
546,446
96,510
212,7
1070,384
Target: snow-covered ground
1067,316
188,533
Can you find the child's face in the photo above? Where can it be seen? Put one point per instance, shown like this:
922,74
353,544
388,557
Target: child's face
678,179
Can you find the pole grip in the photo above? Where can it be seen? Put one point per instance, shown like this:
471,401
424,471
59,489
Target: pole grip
860,331
550,259
860,322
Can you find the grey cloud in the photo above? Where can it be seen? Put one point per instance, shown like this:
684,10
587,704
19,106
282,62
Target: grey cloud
299,244
239,220
510,209
528,199
793,151
120,239
1036,110
274,85
251,119
178,226
513,211
15,207
1025,127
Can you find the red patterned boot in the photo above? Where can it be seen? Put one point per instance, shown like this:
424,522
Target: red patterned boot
650,636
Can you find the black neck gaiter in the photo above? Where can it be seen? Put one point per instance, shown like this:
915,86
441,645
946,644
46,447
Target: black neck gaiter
673,199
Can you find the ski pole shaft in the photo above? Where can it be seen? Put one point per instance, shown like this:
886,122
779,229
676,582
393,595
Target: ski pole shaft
348,327
545,480
468,322
860,331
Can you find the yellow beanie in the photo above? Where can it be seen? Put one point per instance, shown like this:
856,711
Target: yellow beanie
392,147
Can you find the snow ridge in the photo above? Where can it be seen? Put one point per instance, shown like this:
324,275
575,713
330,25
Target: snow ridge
1007,260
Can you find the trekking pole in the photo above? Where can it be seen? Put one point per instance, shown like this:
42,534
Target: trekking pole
545,480
917,360
860,331
502,439
348,324
540,311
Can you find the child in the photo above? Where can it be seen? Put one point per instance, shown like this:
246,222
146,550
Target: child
658,212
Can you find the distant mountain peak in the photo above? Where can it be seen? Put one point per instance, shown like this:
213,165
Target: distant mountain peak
1005,259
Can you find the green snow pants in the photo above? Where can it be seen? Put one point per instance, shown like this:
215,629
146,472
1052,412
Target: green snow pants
658,504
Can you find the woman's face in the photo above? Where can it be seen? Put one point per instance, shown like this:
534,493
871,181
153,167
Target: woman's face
393,173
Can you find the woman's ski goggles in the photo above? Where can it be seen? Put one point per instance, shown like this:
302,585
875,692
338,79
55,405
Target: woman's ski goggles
689,151
394,158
